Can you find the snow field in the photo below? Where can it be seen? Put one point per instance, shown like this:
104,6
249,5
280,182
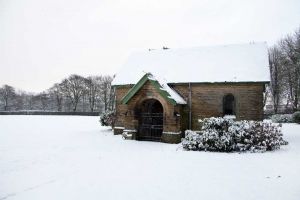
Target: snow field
73,157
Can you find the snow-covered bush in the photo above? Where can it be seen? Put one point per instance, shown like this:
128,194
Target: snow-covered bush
282,118
226,135
191,140
296,117
107,118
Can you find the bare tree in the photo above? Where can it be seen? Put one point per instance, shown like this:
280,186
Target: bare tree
290,60
19,101
297,65
43,99
57,93
285,71
73,88
93,90
107,92
30,101
7,94
275,71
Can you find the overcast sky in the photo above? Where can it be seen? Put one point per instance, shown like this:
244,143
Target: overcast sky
42,42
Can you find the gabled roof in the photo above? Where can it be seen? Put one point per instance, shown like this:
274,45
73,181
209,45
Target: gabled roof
164,90
227,63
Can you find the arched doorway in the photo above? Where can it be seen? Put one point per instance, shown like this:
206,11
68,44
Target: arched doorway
228,105
150,120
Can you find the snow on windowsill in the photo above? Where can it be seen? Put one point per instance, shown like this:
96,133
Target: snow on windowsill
229,117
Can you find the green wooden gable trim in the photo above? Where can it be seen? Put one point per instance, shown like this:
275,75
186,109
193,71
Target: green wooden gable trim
163,93
140,84
134,89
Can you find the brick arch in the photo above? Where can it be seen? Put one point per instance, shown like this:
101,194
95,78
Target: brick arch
150,119
160,100
155,104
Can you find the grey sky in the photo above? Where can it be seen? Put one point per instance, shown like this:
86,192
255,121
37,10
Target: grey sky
42,42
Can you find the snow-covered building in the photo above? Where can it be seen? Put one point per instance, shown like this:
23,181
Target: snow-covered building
161,93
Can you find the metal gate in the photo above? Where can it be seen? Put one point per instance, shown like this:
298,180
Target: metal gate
151,126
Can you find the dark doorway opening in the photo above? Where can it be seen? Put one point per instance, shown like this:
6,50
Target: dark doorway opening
229,105
150,120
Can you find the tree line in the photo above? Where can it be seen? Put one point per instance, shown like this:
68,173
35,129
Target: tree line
284,62
74,93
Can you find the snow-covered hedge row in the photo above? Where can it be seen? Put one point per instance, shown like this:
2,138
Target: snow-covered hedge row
296,117
282,118
226,135
107,118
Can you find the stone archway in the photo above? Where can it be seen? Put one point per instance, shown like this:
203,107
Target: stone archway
150,119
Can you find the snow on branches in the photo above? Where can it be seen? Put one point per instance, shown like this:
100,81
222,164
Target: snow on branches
227,135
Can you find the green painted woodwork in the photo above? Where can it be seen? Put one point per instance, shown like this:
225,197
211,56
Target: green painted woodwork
139,85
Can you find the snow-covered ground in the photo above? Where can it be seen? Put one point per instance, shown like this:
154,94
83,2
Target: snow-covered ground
71,157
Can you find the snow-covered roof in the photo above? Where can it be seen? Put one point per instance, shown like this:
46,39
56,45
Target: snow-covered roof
227,63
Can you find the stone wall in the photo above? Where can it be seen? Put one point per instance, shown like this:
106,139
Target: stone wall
121,109
207,101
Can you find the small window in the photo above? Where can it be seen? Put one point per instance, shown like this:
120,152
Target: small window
228,105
